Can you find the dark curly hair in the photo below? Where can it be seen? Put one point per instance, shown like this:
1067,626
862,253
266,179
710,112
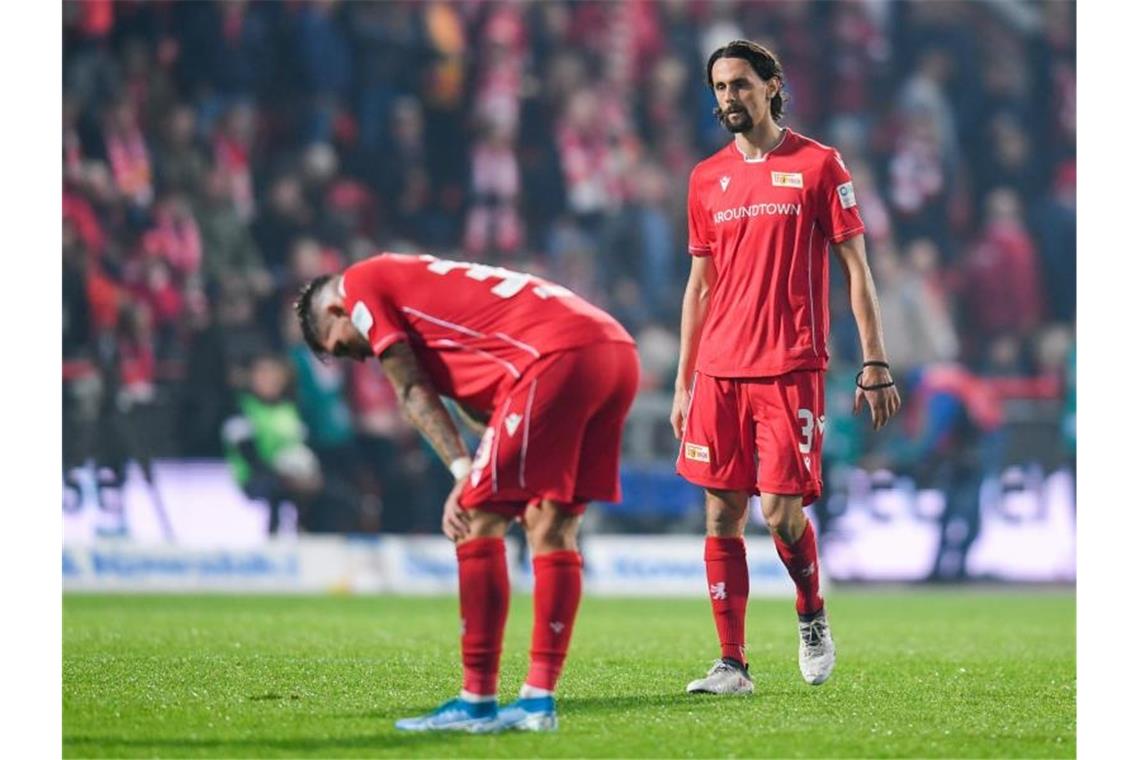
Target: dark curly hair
303,307
764,63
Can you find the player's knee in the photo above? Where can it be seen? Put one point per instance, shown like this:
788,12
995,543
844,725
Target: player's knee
726,513
784,516
487,524
550,529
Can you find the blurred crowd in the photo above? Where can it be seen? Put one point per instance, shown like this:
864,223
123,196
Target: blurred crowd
216,155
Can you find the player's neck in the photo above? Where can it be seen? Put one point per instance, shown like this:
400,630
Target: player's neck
760,140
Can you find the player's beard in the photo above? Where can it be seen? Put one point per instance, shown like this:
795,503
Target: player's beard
743,125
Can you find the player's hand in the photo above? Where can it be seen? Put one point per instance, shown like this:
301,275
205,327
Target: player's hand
456,520
680,408
883,403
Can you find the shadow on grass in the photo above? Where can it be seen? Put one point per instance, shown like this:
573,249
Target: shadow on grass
250,746
571,706
385,736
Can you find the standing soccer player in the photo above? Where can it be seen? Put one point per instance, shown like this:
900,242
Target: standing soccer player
748,407
556,377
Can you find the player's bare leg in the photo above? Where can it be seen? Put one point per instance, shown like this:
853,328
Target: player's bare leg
726,565
552,532
794,537
484,596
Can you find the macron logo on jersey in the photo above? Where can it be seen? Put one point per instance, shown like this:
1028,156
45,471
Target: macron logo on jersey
756,209
724,182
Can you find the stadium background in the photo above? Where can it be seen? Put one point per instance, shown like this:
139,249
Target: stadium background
216,155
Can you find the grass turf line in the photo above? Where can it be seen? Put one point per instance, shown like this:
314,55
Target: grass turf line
933,673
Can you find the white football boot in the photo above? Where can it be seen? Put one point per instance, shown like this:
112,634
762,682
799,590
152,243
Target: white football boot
725,677
817,650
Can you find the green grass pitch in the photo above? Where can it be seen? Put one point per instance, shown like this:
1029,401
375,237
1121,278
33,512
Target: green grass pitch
932,673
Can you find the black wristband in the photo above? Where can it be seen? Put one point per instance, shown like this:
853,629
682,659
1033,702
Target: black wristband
884,365
876,386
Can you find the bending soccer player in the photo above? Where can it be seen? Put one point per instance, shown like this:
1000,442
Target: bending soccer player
556,377
748,406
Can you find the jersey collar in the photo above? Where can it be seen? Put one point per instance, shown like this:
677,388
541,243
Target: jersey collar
763,156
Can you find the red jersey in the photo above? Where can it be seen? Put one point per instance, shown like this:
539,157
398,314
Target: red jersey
767,223
475,328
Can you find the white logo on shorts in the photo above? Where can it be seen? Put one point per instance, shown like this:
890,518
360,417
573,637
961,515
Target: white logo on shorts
512,422
482,456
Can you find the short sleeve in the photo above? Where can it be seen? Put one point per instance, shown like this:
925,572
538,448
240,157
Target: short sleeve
371,312
700,241
837,212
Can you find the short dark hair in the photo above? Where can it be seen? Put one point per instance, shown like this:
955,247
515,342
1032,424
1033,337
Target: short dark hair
303,307
764,63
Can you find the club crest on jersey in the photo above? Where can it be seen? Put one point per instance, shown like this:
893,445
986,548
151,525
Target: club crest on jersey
696,452
724,182
846,195
787,179
361,318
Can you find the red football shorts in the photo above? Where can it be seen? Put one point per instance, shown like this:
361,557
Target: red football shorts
557,434
755,434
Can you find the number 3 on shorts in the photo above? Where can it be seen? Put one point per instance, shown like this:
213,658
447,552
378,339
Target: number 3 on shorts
807,430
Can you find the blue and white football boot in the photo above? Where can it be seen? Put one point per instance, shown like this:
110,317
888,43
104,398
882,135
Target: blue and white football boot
524,714
456,715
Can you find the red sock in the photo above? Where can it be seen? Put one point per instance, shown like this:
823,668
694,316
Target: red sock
557,591
802,561
726,566
484,593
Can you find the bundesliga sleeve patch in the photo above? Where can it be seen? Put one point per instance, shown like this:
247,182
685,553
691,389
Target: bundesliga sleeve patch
362,318
846,195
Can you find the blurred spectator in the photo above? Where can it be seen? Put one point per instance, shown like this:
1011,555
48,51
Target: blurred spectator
1002,286
175,237
227,55
915,308
180,161
127,153
284,217
265,445
233,146
326,65
229,252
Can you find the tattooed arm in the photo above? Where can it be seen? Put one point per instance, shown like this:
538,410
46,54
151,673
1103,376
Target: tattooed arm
420,402
421,405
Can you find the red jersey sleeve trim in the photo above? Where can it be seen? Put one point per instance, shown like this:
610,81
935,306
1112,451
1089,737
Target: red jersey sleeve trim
380,345
700,250
847,234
